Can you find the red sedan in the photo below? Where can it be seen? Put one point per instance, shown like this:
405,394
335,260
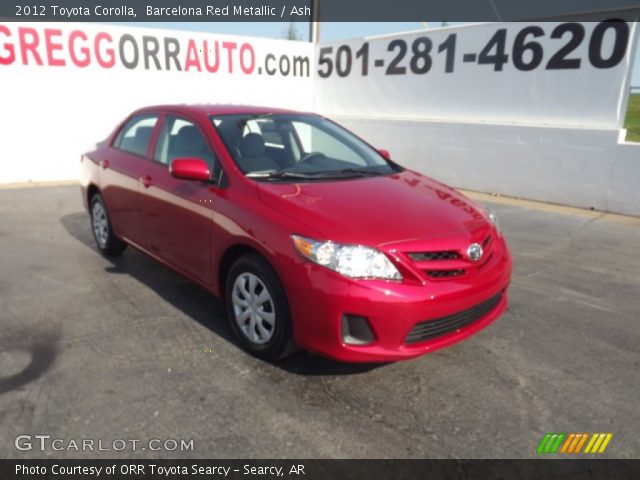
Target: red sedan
314,238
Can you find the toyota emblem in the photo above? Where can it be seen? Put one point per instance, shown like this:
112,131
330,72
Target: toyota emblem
474,252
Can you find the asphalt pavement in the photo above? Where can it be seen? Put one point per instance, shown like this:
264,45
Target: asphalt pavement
100,349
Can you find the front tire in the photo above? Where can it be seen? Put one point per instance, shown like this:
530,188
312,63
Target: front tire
258,310
105,239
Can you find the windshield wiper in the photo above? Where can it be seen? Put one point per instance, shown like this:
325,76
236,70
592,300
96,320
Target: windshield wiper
361,171
279,175
344,173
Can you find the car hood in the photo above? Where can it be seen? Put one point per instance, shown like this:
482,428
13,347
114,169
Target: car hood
375,211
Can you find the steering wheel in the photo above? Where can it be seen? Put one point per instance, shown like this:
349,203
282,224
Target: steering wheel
309,157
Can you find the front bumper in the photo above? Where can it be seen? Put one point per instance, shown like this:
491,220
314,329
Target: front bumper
320,298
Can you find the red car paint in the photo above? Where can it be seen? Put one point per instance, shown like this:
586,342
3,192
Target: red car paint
195,228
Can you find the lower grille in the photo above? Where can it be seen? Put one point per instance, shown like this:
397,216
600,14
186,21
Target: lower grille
445,273
435,328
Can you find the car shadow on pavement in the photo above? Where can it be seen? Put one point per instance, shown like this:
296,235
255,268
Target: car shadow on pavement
197,303
308,364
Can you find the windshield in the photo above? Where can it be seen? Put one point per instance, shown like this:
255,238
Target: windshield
297,146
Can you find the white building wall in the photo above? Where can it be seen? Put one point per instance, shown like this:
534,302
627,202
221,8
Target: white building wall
578,167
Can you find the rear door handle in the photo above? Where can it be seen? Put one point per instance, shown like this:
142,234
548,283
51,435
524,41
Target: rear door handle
146,181
104,164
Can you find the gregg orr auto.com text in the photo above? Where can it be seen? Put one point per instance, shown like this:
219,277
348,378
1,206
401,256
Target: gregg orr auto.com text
77,48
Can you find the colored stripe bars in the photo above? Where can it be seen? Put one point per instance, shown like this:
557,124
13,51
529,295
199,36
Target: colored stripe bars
574,443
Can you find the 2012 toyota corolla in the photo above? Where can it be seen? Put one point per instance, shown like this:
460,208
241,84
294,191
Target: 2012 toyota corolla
314,238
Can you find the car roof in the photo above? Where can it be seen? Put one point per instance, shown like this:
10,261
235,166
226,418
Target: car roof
216,109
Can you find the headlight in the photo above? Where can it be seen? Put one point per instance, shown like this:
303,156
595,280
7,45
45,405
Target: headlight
354,261
493,218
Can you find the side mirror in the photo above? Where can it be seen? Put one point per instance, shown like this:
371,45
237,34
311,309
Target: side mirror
190,169
384,153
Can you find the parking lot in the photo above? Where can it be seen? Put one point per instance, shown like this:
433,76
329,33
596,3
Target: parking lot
109,349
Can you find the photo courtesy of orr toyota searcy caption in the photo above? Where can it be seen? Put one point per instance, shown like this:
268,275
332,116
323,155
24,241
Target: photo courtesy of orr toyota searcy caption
163,471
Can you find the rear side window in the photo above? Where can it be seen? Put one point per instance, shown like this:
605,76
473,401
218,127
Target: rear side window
180,138
136,134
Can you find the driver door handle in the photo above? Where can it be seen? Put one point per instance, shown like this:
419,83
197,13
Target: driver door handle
147,181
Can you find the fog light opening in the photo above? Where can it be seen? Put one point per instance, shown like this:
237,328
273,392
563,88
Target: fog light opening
356,330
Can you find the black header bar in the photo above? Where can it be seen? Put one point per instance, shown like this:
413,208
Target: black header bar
318,469
327,10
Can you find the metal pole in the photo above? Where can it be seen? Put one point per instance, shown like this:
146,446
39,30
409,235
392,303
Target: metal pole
314,24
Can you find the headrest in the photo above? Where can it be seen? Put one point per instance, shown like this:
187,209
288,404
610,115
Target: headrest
252,145
230,132
143,134
189,139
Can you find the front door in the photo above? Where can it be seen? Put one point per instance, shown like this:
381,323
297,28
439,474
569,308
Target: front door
176,215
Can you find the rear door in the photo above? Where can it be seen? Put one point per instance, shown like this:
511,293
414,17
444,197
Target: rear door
176,214
121,172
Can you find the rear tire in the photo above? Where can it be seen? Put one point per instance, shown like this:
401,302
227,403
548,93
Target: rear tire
105,239
258,310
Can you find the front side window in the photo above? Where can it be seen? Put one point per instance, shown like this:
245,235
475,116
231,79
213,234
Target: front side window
180,138
136,134
297,146
318,140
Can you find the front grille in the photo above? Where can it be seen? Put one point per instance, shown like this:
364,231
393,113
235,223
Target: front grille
435,328
430,256
445,273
